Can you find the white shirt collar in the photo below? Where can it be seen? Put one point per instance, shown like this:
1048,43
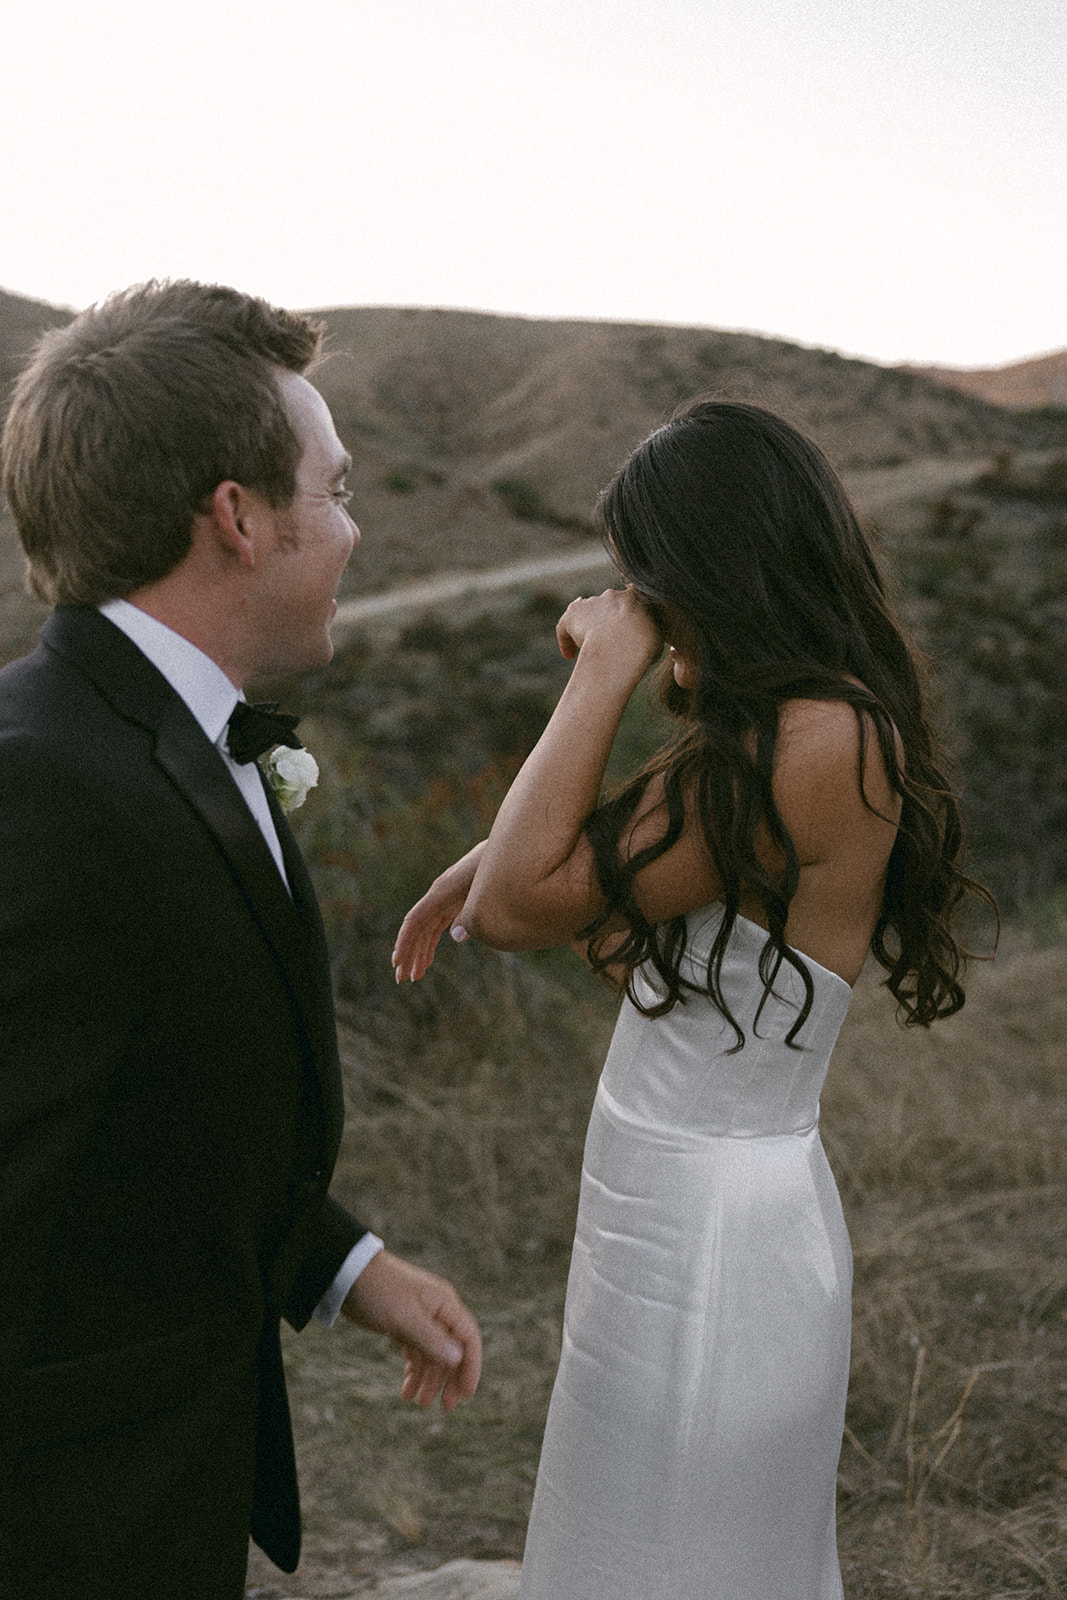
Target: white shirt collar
198,680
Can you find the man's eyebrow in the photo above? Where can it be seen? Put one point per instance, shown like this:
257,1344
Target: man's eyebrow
344,466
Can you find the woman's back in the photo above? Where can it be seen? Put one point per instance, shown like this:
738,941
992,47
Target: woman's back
843,827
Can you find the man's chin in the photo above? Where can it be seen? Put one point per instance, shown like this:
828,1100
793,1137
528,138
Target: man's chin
287,664
320,658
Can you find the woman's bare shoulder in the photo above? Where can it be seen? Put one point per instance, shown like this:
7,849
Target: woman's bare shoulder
817,780
816,729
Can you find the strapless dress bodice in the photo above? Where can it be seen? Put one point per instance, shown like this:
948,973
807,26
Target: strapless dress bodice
683,1072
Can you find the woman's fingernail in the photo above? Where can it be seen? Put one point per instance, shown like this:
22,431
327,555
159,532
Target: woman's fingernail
452,1354
458,933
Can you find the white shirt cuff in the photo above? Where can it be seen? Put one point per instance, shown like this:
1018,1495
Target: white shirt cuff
329,1307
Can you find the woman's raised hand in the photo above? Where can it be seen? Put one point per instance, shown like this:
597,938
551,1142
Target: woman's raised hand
421,930
619,618
529,894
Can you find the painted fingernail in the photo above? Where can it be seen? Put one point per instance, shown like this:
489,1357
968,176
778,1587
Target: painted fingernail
459,933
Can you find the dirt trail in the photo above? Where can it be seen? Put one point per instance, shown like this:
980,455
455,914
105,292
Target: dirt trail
449,587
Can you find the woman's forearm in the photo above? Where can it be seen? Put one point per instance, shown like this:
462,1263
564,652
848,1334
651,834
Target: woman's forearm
536,885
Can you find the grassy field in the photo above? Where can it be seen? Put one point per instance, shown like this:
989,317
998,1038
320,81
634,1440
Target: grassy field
467,1102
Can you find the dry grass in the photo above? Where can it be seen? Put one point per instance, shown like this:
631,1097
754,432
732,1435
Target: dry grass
949,1149
467,1105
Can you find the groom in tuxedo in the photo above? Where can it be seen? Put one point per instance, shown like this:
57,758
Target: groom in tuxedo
170,1094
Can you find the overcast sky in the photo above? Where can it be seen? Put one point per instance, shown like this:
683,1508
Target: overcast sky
885,177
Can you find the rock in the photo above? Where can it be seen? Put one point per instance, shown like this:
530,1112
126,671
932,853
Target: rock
459,1580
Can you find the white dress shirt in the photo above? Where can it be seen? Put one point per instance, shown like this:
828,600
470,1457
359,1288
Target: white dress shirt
211,697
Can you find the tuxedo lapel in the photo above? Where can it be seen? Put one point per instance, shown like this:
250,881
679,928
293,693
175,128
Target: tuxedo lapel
138,692
306,904
195,768
296,871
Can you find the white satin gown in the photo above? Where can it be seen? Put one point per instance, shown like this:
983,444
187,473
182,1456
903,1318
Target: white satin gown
692,1441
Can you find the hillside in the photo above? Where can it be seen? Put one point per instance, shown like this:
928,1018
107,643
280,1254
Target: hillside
21,322
480,439
1041,381
442,406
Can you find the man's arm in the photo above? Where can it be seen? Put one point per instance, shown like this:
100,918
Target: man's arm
420,1312
364,1250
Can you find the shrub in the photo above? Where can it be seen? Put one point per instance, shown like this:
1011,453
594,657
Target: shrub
991,606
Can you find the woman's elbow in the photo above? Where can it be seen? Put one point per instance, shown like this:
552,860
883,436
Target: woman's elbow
503,925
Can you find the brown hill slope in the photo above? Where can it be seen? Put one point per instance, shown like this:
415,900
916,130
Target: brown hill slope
1041,381
508,391
482,439
443,408
22,321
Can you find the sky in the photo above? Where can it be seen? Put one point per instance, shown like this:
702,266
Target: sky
887,178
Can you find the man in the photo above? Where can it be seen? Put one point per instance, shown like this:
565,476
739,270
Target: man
170,1095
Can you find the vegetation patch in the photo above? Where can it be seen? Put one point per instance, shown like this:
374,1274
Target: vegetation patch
523,501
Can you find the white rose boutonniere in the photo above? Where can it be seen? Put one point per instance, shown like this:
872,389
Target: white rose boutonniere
292,773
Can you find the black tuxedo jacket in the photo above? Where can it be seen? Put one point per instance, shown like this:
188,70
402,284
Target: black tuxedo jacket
170,1112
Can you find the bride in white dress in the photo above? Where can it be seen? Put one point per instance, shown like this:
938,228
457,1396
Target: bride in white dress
733,889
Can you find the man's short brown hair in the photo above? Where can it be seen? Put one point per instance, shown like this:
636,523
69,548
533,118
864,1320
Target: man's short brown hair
126,421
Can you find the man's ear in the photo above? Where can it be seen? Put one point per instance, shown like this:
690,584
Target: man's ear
236,518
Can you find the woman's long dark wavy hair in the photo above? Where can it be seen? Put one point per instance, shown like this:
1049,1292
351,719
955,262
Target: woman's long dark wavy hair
730,517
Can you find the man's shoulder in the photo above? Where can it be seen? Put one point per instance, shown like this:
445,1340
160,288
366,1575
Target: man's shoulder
78,782
32,699
60,731
45,699
83,668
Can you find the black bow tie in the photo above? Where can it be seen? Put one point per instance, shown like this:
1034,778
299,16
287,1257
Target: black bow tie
252,729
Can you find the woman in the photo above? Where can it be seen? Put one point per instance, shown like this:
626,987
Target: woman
733,888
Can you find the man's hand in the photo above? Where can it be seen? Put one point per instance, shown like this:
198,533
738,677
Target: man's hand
424,1315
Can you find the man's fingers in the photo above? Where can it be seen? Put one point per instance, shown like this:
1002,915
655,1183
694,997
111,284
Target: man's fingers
427,1319
424,1380
449,1353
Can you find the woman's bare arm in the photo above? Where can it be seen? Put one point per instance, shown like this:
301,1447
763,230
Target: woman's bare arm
535,885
